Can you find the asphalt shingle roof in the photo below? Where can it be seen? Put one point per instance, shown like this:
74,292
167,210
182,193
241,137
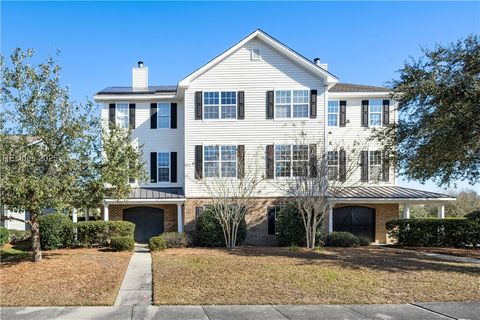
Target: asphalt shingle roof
349,87
129,90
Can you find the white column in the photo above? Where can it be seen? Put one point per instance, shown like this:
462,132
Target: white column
406,211
74,215
330,220
87,213
179,217
441,212
105,211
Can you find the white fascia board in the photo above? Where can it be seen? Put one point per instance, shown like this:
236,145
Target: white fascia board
394,200
145,201
133,97
360,94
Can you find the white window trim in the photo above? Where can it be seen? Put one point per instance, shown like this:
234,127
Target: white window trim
128,113
337,165
338,114
379,178
169,115
252,57
369,112
291,104
219,106
169,166
219,145
291,160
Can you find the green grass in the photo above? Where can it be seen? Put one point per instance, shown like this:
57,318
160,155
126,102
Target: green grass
18,251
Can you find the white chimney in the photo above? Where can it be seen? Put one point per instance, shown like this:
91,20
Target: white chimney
140,77
324,66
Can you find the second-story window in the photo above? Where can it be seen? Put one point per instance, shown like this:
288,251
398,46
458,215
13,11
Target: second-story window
333,110
291,160
332,165
220,161
291,104
375,113
375,164
163,115
163,165
220,105
122,115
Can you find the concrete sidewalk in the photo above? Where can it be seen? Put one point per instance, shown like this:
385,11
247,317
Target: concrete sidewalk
420,311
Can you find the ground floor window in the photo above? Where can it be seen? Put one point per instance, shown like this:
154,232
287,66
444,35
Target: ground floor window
272,215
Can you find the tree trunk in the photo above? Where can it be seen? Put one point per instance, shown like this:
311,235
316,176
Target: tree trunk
36,249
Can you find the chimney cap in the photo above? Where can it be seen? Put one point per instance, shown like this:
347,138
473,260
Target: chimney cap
316,61
140,64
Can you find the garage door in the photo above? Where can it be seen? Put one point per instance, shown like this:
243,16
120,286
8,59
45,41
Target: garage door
148,222
357,220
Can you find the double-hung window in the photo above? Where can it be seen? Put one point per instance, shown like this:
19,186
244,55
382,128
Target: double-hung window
163,115
291,160
220,105
375,113
121,115
291,104
332,165
333,110
163,166
375,164
220,161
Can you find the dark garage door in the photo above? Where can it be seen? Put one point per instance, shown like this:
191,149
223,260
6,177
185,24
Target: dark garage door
148,222
357,220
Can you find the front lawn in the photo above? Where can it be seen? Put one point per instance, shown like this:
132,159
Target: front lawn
65,277
254,275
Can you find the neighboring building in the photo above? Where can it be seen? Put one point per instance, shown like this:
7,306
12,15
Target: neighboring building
253,100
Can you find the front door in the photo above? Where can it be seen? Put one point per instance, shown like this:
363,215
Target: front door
359,221
148,222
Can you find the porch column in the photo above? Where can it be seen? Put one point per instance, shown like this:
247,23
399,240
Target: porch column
74,215
406,211
441,211
179,217
330,220
105,211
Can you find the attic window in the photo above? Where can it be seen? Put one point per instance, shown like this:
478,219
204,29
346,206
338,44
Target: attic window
256,54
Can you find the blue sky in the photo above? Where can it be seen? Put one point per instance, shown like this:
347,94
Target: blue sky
363,42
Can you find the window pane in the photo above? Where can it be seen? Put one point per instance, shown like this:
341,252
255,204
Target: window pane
229,169
163,159
300,111
375,158
163,174
332,158
283,97
164,109
210,98
211,112
229,153
375,119
300,96
300,152
282,111
164,122
122,115
332,173
229,112
229,97
211,153
282,169
282,152
333,120
300,168
375,105
211,169
333,106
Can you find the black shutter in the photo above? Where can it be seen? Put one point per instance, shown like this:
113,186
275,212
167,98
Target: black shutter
270,165
173,167
313,160
271,220
364,166
198,105
111,115
198,162
386,166
198,212
270,99
173,115
313,104
342,168
241,161
241,105
153,116
386,112
364,113
343,113
131,115
153,167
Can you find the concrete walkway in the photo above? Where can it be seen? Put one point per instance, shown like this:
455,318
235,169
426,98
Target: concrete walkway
420,311
136,289
440,256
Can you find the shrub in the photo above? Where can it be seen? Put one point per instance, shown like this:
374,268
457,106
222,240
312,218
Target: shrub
91,233
157,244
56,231
435,232
3,236
18,235
293,248
209,232
364,241
289,226
175,239
125,243
474,215
341,239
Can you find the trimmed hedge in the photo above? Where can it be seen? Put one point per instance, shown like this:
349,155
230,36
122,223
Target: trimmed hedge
157,244
92,233
341,239
3,236
474,215
125,243
289,226
56,231
18,235
209,232
435,232
175,239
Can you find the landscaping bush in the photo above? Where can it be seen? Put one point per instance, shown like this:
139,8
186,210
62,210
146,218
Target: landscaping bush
56,231
474,215
3,236
363,241
341,239
209,232
175,239
125,243
18,235
435,232
91,233
289,226
157,244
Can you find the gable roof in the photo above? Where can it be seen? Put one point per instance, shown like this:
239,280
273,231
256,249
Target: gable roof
349,87
129,90
275,44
